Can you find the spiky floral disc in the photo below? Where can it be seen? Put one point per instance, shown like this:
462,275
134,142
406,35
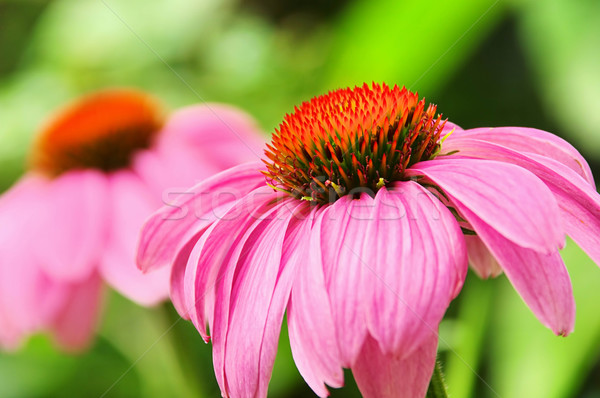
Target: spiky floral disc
350,141
100,131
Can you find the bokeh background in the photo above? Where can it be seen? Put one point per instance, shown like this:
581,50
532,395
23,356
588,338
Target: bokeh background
484,62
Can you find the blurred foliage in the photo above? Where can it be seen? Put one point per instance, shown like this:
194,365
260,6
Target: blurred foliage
520,344
527,62
562,38
412,43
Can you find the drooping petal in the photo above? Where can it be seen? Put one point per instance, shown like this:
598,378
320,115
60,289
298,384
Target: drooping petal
179,296
529,140
20,277
313,338
578,201
73,327
508,198
416,262
30,298
73,225
211,268
169,229
392,376
480,258
540,279
260,295
131,202
343,237
580,207
251,293
213,250
200,278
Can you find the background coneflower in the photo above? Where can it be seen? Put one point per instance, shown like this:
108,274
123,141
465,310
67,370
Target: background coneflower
98,169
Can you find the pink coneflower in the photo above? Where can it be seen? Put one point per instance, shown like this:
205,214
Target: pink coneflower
97,171
361,232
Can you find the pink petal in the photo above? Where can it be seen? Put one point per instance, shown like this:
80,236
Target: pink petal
260,295
72,227
310,321
10,336
24,193
540,279
199,278
344,255
74,326
450,127
252,290
480,258
219,134
171,169
196,143
214,249
18,284
19,310
170,228
580,207
28,301
179,296
28,298
530,140
578,201
130,204
120,272
416,262
208,268
508,198
392,376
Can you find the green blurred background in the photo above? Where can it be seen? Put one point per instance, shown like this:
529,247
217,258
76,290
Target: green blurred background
485,63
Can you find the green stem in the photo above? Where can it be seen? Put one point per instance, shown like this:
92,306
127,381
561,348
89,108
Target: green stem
437,386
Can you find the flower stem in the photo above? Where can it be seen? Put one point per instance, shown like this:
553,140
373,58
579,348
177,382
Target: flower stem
437,386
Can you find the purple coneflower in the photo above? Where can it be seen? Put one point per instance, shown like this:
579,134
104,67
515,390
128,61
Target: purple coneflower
359,225
97,171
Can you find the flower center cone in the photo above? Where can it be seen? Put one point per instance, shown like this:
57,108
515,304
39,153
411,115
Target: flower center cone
100,131
351,140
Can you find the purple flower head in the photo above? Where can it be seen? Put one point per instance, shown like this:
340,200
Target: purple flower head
362,232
